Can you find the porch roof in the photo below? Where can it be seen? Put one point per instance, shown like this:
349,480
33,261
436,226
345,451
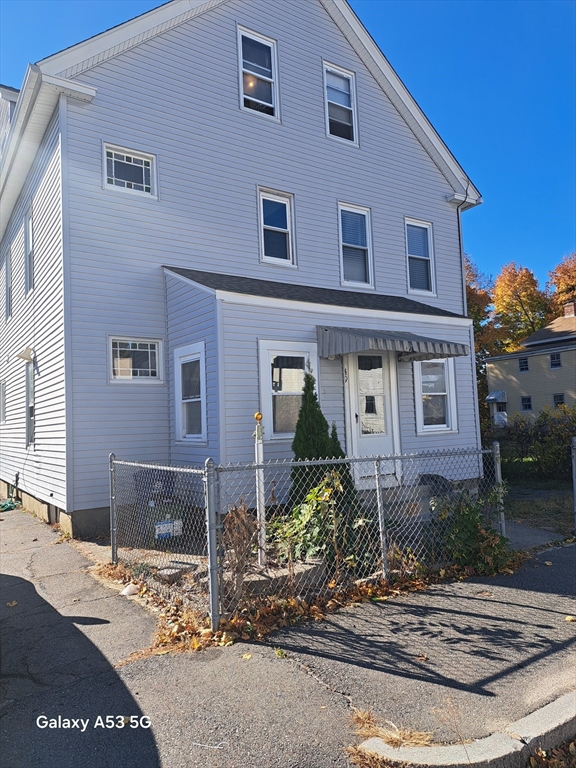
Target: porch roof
410,346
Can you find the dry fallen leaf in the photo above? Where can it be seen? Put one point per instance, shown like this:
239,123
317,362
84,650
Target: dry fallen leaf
246,655
485,593
547,562
12,604
422,657
570,618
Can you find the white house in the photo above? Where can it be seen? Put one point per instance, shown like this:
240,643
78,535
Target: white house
194,204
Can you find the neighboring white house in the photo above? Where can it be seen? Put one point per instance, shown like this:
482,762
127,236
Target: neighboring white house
195,204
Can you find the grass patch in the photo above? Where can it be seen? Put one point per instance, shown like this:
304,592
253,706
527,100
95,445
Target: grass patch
366,726
553,514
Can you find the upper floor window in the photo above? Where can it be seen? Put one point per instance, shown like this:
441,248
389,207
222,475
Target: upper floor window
555,360
258,76
434,383
8,283
558,399
276,228
29,251
355,245
526,403
135,359
420,256
523,364
124,169
340,103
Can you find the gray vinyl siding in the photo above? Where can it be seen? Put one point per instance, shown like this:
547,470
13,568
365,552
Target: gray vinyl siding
191,318
37,321
244,325
176,97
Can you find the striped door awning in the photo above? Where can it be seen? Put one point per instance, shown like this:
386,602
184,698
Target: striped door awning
410,346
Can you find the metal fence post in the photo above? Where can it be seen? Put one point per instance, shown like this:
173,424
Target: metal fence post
113,544
574,480
498,477
381,520
211,527
260,496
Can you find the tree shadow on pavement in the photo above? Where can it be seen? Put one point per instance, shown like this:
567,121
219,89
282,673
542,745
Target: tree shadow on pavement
49,669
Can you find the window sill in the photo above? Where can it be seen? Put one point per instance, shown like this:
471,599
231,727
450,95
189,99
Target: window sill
272,118
343,142
436,431
130,192
416,292
284,263
191,441
365,286
137,382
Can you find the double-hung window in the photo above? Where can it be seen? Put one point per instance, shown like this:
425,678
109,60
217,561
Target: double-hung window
135,360
523,366
434,384
355,245
340,103
30,404
282,368
276,244
29,251
526,403
558,399
258,73
8,282
128,170
420,256
190,392
555,360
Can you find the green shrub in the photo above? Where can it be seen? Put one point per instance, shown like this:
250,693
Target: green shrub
469,541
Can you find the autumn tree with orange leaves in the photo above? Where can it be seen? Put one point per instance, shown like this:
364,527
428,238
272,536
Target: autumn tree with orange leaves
563,284
520,307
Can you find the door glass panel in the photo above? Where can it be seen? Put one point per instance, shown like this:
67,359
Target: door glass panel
371,395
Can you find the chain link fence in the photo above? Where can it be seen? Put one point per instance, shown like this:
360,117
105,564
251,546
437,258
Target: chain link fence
216,538
159,528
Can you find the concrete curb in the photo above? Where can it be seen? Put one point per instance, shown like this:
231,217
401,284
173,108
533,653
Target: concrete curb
546,728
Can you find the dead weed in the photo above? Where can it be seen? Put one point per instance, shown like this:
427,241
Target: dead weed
364,758
365,725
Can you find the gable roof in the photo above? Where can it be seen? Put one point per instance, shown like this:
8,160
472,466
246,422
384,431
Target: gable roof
65,65
275,290
560,329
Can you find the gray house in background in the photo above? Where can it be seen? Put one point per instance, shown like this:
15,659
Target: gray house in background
195,204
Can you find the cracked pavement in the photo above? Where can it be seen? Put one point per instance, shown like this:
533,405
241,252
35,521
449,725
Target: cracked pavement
459,659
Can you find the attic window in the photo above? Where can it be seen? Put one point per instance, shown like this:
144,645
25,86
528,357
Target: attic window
340,103
258,79
129,170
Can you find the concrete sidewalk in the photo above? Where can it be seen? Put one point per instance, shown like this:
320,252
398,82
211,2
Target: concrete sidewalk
461,660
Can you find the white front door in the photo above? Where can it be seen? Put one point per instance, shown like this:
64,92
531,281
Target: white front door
370,408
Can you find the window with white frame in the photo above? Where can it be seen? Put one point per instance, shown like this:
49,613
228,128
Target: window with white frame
558,399
355,245
340,103
125,169
523,365
8,283
282,368
2,401
526,403
276,234
29,251
133,359
434,384
555,360
420,256
190,392
258,76
30,404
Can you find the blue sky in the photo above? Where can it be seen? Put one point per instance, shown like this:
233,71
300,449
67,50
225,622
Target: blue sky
495,77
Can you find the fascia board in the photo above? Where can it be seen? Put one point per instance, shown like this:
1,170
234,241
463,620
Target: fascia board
37,102
531,353
104,46
569,337
334,309
353,29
